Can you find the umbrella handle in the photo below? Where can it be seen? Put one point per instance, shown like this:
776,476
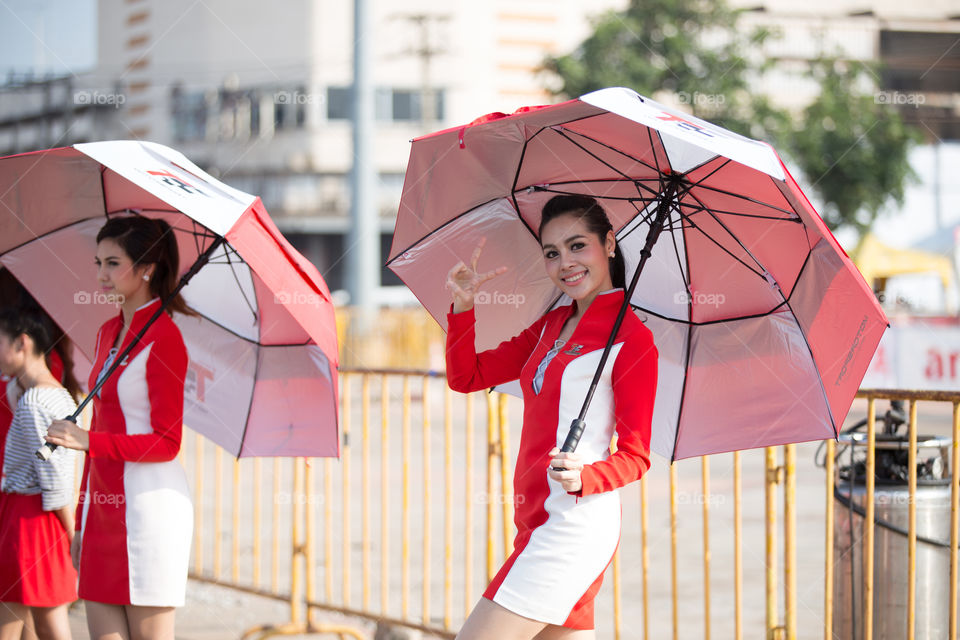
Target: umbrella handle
573,439
47,449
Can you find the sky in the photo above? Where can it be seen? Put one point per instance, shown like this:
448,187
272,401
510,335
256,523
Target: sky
47,36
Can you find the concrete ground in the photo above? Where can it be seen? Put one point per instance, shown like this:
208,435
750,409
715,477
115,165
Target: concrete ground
213,612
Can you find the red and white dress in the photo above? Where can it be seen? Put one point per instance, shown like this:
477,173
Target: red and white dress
565,541
135,515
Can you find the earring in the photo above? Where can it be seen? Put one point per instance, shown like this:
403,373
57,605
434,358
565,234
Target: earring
146,278
612,254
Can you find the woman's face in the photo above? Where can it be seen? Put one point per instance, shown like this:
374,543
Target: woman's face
119,278
11,355
577,260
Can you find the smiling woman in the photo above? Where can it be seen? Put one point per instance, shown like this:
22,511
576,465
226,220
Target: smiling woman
567,506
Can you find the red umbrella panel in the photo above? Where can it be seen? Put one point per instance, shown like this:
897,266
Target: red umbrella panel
763,324
262,378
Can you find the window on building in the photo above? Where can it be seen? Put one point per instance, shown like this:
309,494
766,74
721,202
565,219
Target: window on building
408,105
338,103
290,108
390,104
255,115
189,115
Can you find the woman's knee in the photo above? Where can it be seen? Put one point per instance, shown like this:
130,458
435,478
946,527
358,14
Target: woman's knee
151,623
490,621
51,623
106,621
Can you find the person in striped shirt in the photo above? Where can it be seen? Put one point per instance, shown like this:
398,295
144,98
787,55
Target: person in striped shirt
37,578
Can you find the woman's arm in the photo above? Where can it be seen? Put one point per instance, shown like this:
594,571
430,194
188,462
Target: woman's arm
166,371
55,476
468,370
65,515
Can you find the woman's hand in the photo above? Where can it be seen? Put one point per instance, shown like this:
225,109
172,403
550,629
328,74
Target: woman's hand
64,433
569,478
464,281
75,552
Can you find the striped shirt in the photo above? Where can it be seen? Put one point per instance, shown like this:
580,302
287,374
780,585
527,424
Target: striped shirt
23,471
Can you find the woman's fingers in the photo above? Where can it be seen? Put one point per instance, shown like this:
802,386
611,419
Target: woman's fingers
569,461
64,433
569,480
457,290
476,253
565,468
464,281
56,430
455,270
491,274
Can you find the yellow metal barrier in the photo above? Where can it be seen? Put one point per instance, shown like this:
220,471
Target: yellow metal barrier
430,539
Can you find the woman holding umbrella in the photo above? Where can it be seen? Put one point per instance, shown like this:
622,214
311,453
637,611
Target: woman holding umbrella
567,510
135,517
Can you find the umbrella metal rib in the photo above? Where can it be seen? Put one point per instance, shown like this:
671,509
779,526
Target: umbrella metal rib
227,250
697,183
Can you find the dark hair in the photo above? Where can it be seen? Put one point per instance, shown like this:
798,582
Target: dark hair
46,335
150,241
589,210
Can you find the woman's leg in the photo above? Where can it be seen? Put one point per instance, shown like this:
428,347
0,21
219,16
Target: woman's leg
51,623
29,633
150,623
12,615
106,621
490,621
554,632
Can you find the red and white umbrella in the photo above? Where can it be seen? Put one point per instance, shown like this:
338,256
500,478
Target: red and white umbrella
764,326
262,379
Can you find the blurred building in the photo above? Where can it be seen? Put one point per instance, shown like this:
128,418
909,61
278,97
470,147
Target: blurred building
259,93
917,45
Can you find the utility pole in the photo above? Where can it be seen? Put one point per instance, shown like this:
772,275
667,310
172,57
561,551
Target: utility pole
426,52
363,240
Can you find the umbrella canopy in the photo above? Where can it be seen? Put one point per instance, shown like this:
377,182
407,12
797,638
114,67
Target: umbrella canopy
764,326
262,378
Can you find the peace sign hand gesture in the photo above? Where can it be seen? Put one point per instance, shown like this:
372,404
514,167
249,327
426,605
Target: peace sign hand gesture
464,281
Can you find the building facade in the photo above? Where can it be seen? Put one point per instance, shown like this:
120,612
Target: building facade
259,94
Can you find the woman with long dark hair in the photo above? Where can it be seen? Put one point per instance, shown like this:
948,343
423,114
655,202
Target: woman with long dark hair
567,507
37,580
135,519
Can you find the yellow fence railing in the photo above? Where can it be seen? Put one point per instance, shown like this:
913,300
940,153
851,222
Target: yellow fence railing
414,519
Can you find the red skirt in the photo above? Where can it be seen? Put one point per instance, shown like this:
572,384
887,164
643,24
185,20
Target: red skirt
35,567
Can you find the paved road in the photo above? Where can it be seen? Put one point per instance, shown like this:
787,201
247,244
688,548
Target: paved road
215,612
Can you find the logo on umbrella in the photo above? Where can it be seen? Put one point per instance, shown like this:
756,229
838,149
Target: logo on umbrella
177,182
197,376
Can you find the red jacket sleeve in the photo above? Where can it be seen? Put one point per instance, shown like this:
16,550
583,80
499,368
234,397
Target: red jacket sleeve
634,381
468,370
166,371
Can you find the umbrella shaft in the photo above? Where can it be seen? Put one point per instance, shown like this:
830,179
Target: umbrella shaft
656,227
202,259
